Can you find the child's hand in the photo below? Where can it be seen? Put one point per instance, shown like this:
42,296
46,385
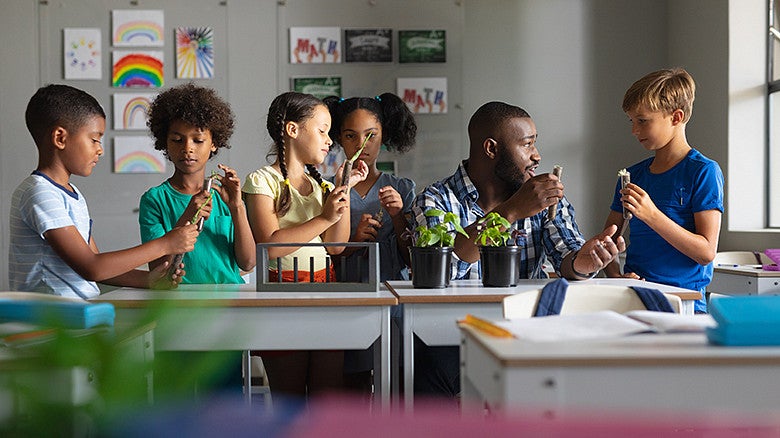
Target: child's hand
159,278
359,173
366,229
638,202
181,239
200,199
391,200
336,205
229,187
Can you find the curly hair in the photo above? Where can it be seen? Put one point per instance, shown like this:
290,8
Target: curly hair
57,104
290,107
399,128
199,106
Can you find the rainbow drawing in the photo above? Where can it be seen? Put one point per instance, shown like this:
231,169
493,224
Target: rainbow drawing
132,28
137,155
194,52
138,69
131,109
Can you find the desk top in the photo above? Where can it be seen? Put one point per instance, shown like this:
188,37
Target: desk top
745,270
653,349
240,295
472,290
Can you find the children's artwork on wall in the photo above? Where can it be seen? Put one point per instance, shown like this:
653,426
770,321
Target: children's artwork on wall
319,86
422,46
81,53
137,28
424,95
333,160
315,45
194,52
368,45
386,166
137,69
136,154
131,110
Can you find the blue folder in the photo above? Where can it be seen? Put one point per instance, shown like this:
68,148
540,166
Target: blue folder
64,314
749,320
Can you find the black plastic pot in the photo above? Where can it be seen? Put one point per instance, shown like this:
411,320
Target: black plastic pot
431,266
500,265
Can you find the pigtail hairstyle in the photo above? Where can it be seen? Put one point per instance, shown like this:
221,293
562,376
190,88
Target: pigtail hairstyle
399,128
289,107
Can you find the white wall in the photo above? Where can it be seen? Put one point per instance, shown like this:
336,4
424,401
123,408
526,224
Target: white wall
567,62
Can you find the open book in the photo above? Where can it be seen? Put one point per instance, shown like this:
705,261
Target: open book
603,324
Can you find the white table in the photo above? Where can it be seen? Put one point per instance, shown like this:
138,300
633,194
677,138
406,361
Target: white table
744,280
236,317
653,372
431,313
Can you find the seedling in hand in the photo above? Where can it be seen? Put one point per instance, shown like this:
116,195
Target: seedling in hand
348,164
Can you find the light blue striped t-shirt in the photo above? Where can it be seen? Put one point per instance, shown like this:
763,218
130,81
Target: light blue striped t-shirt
38,205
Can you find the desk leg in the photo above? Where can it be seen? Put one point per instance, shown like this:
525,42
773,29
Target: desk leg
247,359
408,329
384,367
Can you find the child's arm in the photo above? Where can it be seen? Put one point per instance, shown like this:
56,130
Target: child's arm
93,265
265,224
229,189
700,246
392,201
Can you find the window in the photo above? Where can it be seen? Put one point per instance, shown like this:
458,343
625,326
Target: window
773,118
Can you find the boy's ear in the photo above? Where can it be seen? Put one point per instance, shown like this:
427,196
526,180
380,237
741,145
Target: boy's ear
677,116
58,137
291,129
490,146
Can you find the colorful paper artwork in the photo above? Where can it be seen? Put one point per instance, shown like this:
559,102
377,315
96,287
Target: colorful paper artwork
422,46
137,28
424,95
315,45
137,69
319,86
131,110
136,154
81,53
368,45
194,52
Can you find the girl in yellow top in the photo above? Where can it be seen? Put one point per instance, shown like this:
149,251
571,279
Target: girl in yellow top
288,202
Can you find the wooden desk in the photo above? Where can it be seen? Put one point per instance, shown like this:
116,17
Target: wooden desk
431,313
744,280
236,317
677,372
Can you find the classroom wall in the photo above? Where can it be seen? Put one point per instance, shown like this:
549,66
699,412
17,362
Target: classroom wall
566,62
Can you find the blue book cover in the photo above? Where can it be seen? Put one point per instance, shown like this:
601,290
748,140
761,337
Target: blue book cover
749,320
65,314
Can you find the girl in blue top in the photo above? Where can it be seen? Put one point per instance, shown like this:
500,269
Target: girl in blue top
676,197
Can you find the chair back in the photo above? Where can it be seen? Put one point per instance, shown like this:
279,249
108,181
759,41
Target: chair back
583,298
741,258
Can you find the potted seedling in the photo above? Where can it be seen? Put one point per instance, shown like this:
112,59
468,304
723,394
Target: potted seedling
498,251
431,250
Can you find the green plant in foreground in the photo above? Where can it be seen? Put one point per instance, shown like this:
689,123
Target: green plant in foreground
439,234
494,230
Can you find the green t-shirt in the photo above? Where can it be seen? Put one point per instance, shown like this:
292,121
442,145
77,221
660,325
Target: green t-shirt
213,261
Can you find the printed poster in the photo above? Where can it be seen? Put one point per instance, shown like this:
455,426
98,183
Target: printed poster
424,95
422,46
136,154
81,53
319,86
194,52
315,45
131,110
368,45
137,28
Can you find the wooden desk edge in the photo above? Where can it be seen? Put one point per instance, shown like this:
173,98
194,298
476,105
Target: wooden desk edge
247,302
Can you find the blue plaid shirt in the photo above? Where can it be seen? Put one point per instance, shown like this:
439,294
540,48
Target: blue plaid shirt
540,238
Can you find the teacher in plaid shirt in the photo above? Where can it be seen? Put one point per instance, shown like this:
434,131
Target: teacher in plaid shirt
500,175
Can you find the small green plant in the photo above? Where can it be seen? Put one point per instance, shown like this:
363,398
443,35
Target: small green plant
494,230
439,234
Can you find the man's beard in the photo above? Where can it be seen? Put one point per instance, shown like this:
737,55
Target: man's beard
508,173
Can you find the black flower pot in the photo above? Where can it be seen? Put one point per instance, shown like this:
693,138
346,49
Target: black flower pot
431,266
500,265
